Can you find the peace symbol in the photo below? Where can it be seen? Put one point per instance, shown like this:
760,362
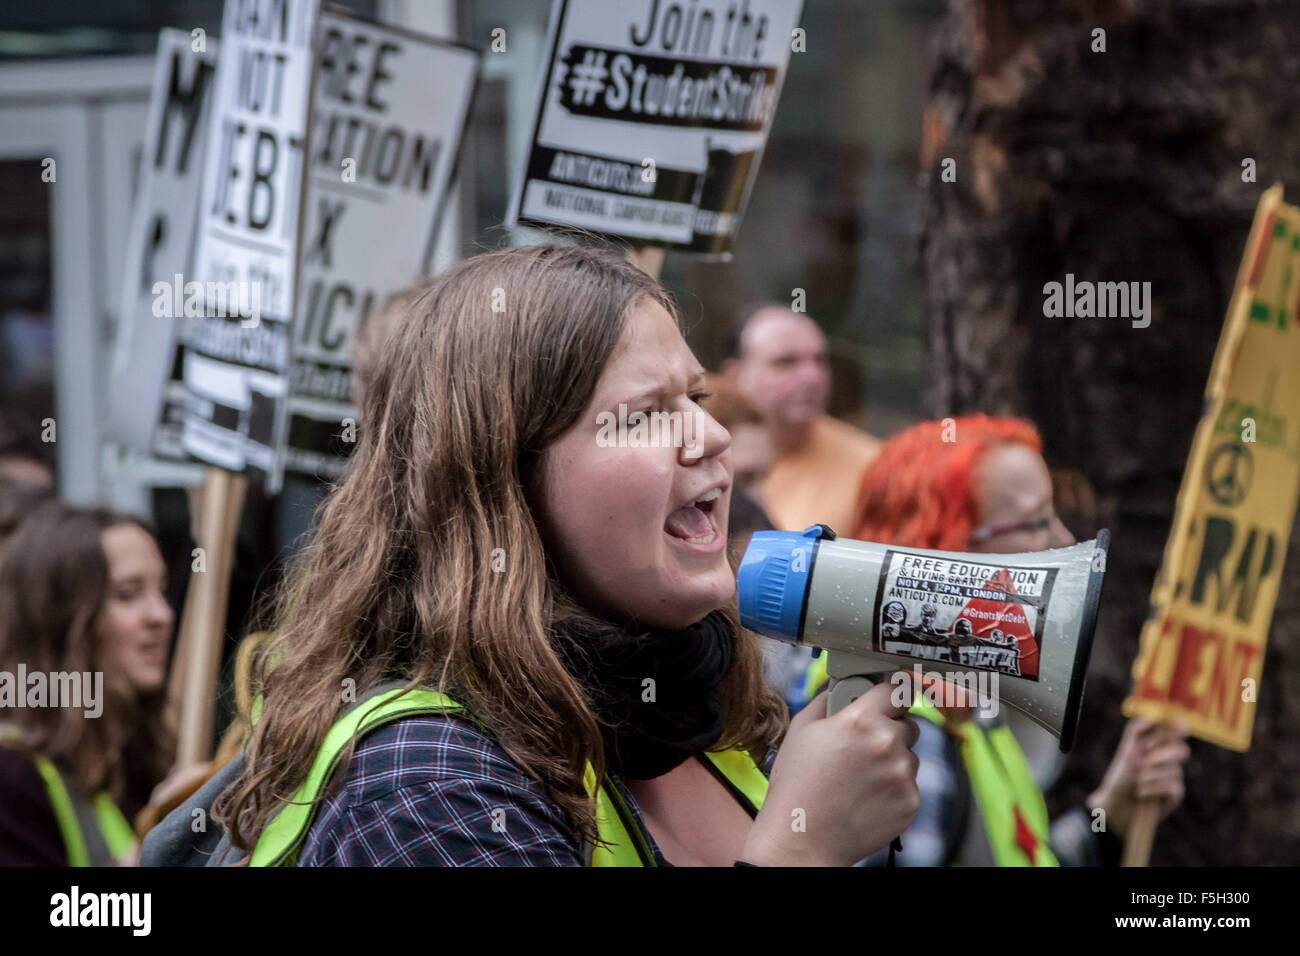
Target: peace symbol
1228,473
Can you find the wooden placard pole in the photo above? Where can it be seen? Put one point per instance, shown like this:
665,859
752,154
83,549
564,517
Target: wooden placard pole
184,640
203,624
1141,834
192,683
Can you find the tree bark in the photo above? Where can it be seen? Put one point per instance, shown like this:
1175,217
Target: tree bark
1123,165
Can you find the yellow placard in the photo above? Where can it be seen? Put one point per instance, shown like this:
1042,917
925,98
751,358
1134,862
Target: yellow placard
1202,649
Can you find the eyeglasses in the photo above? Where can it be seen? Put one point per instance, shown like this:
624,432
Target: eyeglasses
985,532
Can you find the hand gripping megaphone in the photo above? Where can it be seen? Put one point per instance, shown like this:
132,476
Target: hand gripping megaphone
1020,623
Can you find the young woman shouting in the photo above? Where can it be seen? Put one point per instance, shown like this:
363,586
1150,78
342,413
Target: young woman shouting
534,625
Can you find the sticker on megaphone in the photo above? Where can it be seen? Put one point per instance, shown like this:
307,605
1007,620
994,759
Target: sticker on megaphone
1020,624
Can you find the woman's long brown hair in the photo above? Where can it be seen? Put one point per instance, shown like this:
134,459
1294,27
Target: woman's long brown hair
403,579
54,583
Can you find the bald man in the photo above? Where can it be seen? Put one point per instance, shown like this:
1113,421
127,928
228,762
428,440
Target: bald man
781,364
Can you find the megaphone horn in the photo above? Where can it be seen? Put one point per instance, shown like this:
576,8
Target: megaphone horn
1021,624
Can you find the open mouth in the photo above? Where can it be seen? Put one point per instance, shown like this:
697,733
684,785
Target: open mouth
694,523
155,652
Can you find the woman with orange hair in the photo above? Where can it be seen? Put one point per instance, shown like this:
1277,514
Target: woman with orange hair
961,484
980,484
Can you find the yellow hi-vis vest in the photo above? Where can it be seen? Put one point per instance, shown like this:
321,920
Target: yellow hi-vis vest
1010,803
94,833
620,841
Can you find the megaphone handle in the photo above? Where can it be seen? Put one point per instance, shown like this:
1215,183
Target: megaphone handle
858,685
895,845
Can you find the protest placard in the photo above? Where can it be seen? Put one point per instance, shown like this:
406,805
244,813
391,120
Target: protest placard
653,116
387,118
1202,649
147,400
236,359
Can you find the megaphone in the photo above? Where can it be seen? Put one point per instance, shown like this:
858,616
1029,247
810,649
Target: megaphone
1022,621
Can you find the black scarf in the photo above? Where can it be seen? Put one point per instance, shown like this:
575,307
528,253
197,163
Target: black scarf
650,728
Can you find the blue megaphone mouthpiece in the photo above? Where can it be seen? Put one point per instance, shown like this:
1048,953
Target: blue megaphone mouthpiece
772,582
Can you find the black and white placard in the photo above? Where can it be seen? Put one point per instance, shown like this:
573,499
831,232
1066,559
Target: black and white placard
652,117
236,361
387,118
146,400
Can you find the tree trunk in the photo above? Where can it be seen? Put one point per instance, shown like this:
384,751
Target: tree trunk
1122,165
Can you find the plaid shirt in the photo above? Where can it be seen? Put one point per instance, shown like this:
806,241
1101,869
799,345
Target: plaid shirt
436,791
